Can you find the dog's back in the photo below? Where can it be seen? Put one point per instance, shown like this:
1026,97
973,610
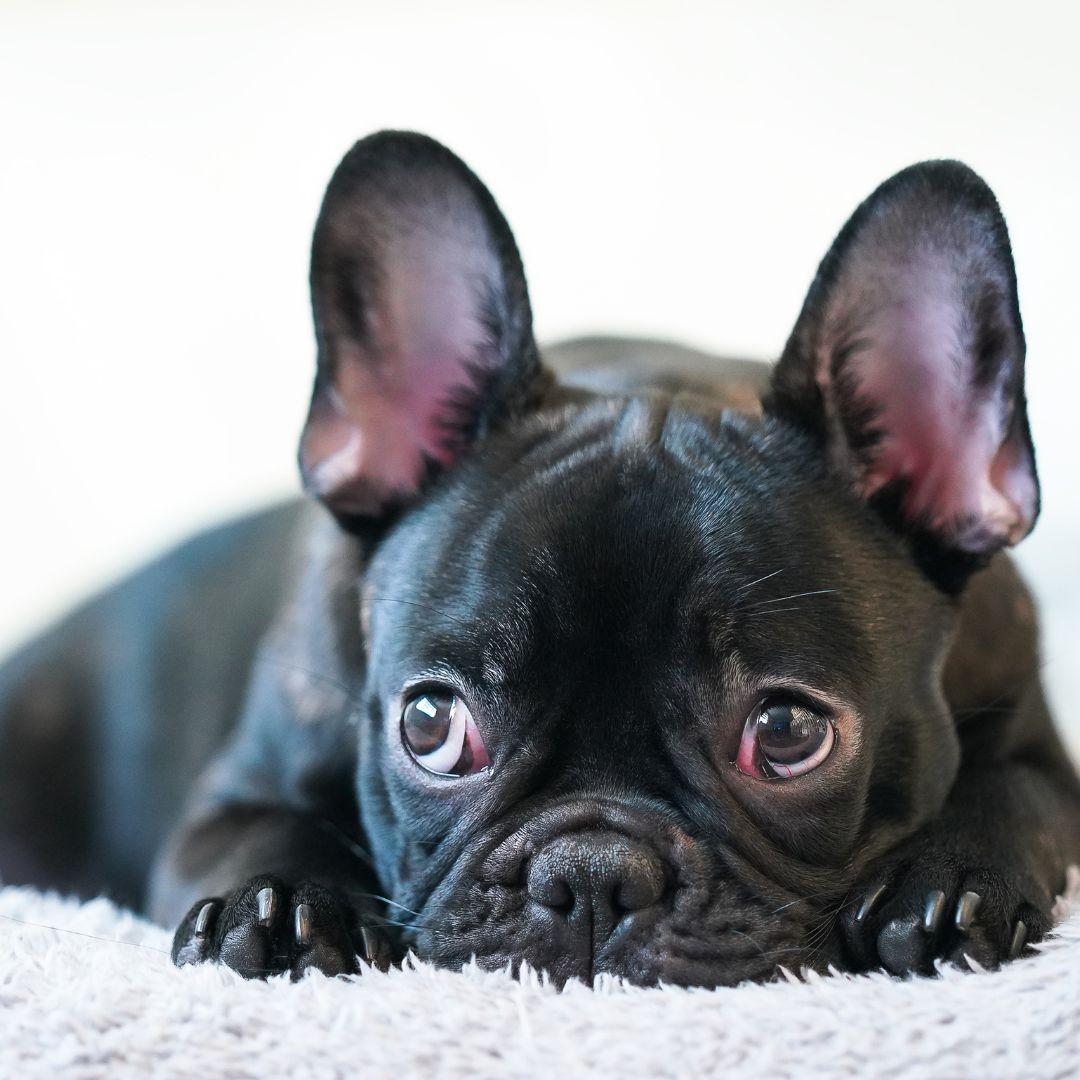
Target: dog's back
106,719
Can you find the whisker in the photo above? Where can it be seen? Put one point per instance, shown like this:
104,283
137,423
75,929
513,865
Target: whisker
82,933
993,705
391,903
792,596
803,899
437,931
753,941
821,934
758,581
775,611
288,665
342,837
416,604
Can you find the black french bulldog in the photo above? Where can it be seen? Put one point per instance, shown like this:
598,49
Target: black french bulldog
616,659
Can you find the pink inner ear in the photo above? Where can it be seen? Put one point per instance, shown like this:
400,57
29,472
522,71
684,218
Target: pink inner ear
391,406
947,441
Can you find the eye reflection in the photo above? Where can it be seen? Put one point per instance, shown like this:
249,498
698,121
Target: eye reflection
783,739
439,732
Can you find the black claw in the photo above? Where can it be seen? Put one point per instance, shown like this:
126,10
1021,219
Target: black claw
367,940
202,920
1019,939
376,949
870,901
933,910
267,902
966,910
302,924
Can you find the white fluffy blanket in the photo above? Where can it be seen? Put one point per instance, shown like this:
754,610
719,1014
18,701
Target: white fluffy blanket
96,996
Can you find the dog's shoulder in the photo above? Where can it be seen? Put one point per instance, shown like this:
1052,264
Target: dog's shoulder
994,659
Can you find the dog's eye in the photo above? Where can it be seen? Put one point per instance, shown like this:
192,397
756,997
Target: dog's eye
783,739
441,735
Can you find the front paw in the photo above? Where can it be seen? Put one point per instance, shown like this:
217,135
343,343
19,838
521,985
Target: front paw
267,927
926,904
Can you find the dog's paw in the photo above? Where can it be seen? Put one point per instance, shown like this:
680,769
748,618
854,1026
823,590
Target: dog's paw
929,905
267,927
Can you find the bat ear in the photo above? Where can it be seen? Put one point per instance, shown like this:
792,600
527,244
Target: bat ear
908,361
422,321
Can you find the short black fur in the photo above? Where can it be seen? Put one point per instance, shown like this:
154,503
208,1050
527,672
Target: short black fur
615,570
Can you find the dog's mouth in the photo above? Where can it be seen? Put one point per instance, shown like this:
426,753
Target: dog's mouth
587,891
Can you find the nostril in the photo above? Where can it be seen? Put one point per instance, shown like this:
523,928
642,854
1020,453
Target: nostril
550,889
601,877
639,885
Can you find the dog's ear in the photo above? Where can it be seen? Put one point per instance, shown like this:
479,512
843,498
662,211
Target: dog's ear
422,322
908,361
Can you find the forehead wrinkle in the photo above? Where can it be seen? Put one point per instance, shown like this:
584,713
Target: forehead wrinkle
506,649
735,674
547,449
719,630
496,592
539,586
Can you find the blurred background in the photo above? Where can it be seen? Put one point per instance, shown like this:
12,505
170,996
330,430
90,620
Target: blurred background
671,169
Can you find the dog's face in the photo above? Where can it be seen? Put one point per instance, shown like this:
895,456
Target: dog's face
648,682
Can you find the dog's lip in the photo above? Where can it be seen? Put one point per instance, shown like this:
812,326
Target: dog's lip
610,955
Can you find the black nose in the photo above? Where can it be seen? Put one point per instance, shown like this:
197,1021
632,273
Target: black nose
593,880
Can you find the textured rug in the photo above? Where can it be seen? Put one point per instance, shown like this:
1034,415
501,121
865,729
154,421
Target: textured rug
88,991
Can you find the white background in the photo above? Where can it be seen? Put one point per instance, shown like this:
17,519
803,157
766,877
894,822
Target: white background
669,168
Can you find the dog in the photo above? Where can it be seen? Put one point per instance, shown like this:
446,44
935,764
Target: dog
613,659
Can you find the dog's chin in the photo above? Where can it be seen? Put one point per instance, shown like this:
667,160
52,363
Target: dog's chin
691,944
683,962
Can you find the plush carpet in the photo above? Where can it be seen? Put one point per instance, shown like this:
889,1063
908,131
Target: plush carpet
88,991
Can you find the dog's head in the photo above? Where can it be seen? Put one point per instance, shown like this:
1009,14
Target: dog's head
648,681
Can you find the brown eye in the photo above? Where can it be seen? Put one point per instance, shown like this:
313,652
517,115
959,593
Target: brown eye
440,733
784,739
